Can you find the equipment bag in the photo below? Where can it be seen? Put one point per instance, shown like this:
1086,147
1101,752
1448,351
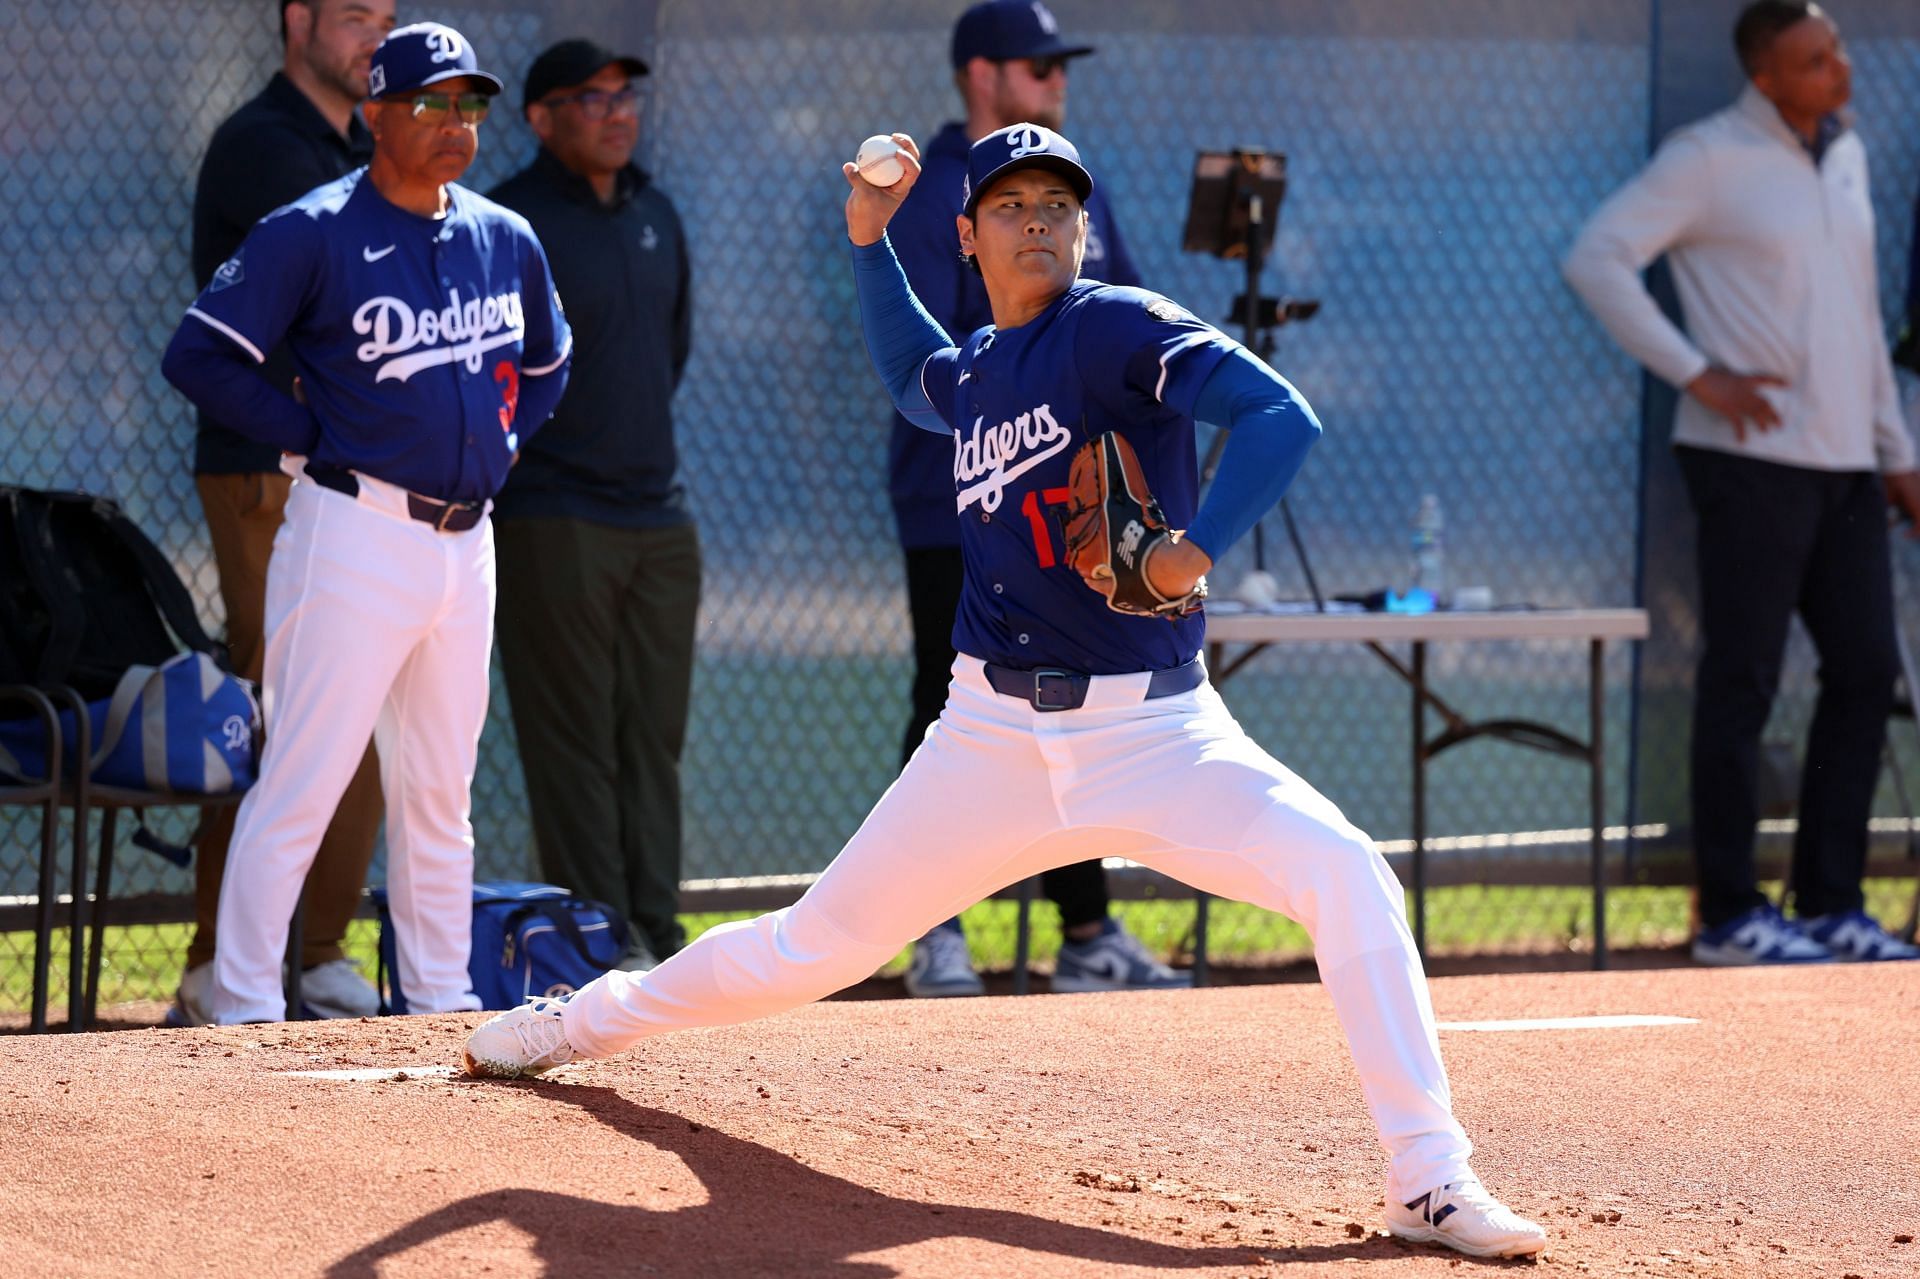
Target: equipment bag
529,940
84,594
185,727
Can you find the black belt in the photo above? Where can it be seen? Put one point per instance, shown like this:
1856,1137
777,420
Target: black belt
446,517
1048,689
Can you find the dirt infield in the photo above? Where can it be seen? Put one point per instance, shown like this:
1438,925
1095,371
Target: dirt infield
1214,1132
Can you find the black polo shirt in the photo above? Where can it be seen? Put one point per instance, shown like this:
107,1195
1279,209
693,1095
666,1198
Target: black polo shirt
608,454
270,152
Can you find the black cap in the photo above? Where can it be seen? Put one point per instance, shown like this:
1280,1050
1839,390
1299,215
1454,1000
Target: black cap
1021,146
574,62
999,30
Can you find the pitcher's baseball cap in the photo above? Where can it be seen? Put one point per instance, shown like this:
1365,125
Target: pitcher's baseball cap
574,62
1002,29
1022,146
413,57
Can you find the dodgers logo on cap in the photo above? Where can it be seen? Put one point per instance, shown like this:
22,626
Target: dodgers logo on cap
424,53
1021,146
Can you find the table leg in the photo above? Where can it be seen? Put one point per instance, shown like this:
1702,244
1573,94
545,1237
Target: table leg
1022,938
1200,900
77,922
1597,782
1420,798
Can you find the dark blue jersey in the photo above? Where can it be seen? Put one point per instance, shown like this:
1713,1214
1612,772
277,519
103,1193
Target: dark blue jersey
928,246
411,335
1020,402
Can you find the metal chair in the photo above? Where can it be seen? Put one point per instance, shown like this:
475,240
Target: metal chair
47,794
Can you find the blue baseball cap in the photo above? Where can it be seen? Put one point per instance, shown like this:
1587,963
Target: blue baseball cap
999,30
1021,146
413,57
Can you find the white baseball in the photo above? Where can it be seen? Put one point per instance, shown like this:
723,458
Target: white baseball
1258,589
879,161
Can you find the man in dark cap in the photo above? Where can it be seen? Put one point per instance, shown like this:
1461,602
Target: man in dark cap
430,347
297,133
1010,65
599,557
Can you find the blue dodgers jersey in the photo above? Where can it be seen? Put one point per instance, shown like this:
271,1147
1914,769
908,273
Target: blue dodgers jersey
1021,402
410,334
924,239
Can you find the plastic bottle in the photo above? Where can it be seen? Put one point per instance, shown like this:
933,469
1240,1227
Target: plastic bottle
1429,552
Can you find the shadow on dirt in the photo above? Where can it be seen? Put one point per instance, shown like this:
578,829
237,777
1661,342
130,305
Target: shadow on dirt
768,1213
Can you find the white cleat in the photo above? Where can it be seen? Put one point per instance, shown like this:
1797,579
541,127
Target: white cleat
519,1043
1464,1217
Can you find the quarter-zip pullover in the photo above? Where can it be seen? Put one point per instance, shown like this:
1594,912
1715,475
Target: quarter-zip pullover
1772,254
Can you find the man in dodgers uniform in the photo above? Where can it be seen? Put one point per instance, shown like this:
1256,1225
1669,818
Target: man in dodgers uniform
1079,722
1010,65
429,343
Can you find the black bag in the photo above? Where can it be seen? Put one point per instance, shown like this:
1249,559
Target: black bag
84,594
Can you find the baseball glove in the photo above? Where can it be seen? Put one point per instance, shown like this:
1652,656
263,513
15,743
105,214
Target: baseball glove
1113,525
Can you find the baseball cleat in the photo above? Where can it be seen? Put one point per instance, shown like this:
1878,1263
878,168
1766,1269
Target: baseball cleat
1114,960
1464,1217
519,1043
941,967
1761,936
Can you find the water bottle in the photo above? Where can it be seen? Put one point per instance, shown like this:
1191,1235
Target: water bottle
1429,552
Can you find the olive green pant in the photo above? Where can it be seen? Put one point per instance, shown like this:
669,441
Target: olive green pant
596,628
243,513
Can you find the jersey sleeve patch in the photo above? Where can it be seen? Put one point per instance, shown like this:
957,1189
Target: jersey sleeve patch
231,272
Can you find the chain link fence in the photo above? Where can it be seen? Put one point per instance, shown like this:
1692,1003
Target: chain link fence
1440,156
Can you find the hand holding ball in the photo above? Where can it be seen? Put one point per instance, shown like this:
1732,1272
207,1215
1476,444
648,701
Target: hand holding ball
878,161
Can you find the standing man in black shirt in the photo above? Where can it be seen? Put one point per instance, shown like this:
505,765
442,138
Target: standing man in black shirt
300,131
599,560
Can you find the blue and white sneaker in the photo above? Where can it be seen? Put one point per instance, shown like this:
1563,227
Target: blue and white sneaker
1761,936
1463,1216
1114,960
1854,936
942,968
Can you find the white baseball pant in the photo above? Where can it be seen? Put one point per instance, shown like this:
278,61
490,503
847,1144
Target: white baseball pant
377,626
999,791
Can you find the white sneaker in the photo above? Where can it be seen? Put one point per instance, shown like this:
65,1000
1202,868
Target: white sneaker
336,989
519,1043
1464,1217
941,966
193,1002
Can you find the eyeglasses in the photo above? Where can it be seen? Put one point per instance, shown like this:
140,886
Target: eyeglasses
1043,68
598,104
432,108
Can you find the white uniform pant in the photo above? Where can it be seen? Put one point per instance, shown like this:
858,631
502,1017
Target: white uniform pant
999,791
377,626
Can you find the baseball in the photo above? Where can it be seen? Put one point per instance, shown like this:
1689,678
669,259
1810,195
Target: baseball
1258,589
879,161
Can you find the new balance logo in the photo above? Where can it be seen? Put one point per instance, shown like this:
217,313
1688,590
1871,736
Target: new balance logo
1424,1206
374,255
1130,541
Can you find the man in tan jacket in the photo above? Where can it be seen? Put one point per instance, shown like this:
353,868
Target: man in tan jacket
1791,441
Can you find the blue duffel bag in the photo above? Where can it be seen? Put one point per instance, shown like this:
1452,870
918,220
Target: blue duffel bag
184,727
529,940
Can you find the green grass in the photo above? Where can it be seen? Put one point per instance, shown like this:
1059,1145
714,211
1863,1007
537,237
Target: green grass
142,962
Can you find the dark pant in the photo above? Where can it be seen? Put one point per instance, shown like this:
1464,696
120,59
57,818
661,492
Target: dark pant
934,575
596,628
243,513
1776,540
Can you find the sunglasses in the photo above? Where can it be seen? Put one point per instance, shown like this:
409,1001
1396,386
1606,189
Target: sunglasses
598,104
432,108
1043,68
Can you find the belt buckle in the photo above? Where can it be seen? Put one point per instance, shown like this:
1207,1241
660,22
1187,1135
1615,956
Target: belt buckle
1063,683
446,513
